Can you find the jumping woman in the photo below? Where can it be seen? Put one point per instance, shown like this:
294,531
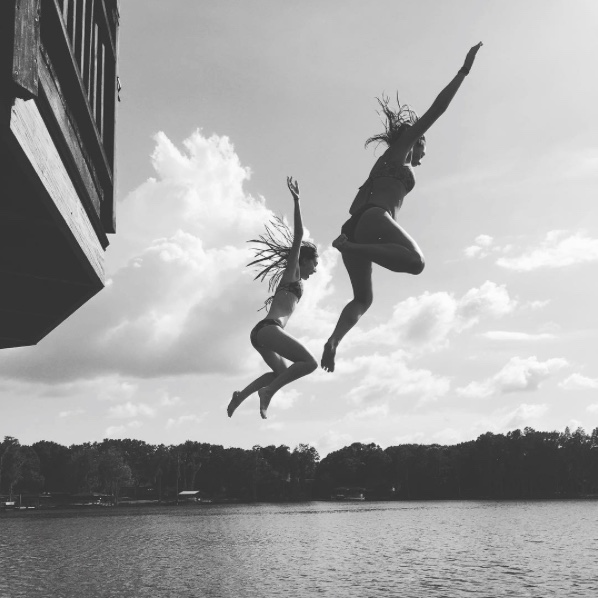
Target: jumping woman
287,264
372,234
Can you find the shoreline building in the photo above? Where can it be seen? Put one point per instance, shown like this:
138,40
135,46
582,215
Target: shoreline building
58,92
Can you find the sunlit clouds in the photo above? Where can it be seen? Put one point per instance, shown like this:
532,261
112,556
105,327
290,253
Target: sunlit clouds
512,335
558,250
577,381
519,374
426,322
182,285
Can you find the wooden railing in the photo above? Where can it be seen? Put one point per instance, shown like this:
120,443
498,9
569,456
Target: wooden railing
91,28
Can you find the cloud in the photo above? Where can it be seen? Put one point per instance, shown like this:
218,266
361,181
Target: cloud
558,250
592,408
180,298
518,375
184,420
373,411
523,416
168,401
578,382
425,323
448,436
480,248
127,410
384,376
331,441
71,413
505,335
285,399
114,431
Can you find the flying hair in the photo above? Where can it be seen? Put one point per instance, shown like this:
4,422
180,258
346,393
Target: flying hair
395,122
272,252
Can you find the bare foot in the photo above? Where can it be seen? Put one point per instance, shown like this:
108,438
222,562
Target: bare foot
265,398
328,356
339,242
234,403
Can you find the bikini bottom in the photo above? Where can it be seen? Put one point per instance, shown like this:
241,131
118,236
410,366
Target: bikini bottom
261,324
349,227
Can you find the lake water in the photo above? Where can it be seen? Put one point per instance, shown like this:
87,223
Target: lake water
399,549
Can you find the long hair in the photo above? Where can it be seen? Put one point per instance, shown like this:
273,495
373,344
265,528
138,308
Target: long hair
273,249
395,122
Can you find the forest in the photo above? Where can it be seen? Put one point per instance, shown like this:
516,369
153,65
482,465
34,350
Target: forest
521,464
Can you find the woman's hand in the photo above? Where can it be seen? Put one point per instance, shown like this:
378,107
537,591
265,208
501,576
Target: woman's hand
471,57
293,187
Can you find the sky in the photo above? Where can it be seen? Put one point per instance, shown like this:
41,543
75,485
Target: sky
220,102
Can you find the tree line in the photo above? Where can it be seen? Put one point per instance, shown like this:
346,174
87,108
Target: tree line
521,464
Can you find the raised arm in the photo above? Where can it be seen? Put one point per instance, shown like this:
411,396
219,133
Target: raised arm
292,269
441,103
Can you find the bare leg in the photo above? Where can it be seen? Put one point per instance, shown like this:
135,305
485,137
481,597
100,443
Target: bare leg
240,395
391,256
360,273
379,239
283,344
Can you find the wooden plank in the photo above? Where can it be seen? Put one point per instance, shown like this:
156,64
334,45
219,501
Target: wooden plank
73,25
94,68
32,135
88,46
59,38
101,88
26,44
81,52
73,144
104,21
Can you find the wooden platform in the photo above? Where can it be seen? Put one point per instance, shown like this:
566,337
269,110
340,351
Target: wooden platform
57,111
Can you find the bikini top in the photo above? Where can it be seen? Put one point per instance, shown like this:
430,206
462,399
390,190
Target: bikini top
385,167
401,172
295,287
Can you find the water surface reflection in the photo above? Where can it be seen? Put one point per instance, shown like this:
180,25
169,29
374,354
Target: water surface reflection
431,549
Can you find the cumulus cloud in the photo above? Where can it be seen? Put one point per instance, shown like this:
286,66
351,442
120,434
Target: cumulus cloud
558,250
578,382
285,398
519,374
180,299
384,376
480,248
523,416
507,335
425,323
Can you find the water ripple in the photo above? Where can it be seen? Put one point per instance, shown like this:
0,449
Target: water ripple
437,549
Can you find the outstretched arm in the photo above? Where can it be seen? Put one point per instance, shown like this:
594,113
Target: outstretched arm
293,261
441,103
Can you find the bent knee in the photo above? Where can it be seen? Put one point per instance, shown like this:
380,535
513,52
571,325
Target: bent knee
311,363
364,301
280,369
418,265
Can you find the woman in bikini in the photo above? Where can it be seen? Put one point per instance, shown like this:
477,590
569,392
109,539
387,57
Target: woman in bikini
372,234
287,266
